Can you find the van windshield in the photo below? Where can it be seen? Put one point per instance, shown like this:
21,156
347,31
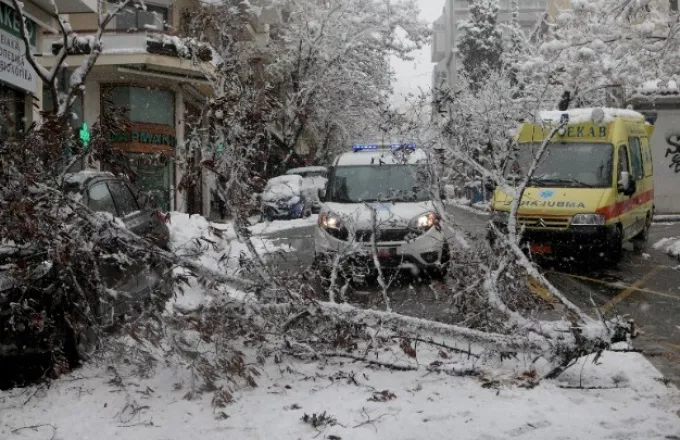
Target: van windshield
564,165
366,183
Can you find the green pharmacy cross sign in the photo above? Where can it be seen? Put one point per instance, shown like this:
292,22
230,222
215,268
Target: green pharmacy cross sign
84,135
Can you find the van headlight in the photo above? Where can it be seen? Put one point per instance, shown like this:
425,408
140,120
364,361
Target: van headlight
425,222
500,217
588,220
333,225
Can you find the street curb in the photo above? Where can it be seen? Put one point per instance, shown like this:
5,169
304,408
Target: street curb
661,218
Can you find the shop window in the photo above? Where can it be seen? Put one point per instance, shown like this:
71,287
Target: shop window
144,104
133,18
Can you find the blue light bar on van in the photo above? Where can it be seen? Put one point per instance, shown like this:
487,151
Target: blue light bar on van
374,147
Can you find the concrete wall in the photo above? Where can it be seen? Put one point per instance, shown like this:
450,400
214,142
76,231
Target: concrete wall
666,156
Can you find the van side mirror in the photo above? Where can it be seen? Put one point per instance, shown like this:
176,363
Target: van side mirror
322,194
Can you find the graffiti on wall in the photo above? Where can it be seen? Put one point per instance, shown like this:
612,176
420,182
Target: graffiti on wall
673,139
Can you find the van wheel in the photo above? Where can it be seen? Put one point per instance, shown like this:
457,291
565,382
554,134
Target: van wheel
640,240
615,248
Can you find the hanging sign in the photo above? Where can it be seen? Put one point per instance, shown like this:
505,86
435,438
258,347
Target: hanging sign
145,138
14,69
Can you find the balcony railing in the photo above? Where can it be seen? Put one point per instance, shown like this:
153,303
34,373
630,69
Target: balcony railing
135,43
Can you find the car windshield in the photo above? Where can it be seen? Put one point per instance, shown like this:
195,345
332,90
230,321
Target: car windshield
395,183
564,165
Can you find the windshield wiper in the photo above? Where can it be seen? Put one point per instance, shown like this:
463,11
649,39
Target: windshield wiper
549,180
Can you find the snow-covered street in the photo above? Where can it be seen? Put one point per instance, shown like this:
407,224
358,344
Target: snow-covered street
615,395
622,396
340,219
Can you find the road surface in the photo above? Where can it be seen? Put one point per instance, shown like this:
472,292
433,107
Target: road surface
645,287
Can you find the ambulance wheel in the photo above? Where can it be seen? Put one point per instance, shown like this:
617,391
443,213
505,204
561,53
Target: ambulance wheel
640,240
615,247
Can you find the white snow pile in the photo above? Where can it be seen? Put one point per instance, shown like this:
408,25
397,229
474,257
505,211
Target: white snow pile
659,87
619,396
670,245
215,246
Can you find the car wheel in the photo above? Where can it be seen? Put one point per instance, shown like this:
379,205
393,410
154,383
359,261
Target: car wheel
615,248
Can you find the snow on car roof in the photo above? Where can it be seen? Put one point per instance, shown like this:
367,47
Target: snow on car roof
583,115
80,177
286,179
315,169
375,157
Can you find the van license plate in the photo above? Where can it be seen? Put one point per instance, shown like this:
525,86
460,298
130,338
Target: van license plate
540,248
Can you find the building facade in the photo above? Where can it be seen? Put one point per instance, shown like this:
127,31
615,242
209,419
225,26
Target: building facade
446,35
20,87
161,79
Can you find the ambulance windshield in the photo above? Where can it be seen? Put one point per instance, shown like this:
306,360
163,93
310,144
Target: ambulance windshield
563,165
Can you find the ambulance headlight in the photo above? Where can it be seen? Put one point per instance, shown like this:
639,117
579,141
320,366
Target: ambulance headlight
588,220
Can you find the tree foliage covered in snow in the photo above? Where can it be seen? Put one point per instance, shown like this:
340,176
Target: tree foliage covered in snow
597,44
481,43
326,68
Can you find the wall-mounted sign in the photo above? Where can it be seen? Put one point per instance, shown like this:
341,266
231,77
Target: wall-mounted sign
145,138
14,69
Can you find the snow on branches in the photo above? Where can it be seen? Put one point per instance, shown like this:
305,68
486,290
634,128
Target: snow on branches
481,42
598,44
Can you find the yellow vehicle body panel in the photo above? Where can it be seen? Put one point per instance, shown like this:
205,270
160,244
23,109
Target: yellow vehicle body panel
554,207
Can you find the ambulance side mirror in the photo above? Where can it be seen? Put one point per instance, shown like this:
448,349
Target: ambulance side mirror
625,185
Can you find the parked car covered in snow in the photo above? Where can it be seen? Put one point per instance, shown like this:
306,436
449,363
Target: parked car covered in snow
314,178
286,197
34,316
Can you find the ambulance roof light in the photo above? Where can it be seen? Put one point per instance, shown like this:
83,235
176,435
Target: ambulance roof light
375,147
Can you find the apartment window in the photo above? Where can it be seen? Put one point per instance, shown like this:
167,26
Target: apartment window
144,104
133,18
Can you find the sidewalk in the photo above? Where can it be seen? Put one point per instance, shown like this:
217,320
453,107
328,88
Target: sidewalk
481,208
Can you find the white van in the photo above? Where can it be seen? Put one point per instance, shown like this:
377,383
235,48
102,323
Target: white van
382,200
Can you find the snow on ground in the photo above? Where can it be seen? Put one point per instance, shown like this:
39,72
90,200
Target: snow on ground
620,396
365,403
669,245
465,204
214,245
282,225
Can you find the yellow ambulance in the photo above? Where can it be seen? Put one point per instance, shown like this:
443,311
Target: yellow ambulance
593,188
